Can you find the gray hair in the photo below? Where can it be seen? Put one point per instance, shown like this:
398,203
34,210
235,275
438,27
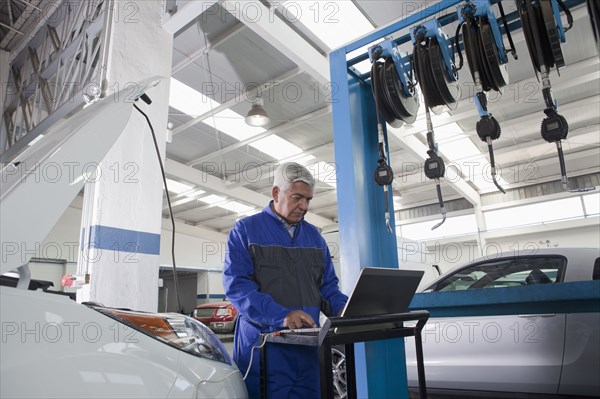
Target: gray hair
289,173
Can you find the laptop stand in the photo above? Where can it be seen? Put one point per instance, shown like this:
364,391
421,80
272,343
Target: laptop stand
340,330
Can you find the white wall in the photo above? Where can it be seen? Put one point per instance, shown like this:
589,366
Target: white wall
195,252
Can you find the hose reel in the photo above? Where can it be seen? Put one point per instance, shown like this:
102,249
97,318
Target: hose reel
396,101
544,33
487,59
437,75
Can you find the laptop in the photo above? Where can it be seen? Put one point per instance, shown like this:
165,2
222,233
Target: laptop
380,291
377,291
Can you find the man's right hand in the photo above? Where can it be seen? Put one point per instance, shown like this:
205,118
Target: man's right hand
298,319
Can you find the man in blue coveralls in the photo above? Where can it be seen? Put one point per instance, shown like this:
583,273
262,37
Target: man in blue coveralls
278,273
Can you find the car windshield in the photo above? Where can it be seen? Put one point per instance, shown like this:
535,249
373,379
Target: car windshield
513,272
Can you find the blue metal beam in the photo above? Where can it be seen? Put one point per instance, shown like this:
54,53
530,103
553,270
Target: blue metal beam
574,297
401,24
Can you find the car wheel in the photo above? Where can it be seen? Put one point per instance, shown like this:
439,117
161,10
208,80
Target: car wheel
338,365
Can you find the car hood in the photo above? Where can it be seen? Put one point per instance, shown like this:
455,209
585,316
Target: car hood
30,207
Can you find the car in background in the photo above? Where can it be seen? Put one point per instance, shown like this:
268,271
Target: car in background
552,352
218,316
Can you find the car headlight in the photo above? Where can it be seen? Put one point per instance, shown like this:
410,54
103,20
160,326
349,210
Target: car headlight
182,332
224,312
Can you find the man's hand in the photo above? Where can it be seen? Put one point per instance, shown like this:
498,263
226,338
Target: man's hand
298,319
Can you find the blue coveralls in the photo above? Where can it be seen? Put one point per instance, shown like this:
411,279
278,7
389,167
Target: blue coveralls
267,274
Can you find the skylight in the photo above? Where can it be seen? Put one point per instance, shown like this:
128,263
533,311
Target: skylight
212,199
334,22
324,172
177,187
194,193
459,149
188,100
236,207
276,147
233,125
194,103
304,159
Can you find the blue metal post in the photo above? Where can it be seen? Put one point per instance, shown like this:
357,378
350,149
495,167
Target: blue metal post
366,241
380,365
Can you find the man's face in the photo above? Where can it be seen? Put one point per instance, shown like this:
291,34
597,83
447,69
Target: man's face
292,205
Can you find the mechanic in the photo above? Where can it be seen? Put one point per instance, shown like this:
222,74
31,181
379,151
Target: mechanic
278,273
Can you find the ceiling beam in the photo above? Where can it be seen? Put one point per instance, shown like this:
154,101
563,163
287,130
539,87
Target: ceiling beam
269,26
321,152
216,185
275,130
250,92
223,37
190,11
585,70
419,149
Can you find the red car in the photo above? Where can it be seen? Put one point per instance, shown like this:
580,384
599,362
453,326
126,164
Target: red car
218,316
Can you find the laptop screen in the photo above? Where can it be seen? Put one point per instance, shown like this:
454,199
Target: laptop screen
382,291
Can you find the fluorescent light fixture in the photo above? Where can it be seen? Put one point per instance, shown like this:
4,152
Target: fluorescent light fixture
334,22
188,100
177,187
212,199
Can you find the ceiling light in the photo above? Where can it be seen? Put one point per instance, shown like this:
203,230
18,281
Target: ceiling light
257,116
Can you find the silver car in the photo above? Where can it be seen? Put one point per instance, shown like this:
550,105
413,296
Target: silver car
554,351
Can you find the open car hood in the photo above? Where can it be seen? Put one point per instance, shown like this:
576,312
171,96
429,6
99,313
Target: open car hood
40,183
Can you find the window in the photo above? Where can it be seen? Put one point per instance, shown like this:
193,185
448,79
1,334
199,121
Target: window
543,212
511,272
454,226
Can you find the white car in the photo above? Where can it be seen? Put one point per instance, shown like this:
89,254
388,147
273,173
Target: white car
554,351
53,347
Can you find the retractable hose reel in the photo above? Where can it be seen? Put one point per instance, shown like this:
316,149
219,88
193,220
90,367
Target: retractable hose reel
438,78
395,99
487,59
544,33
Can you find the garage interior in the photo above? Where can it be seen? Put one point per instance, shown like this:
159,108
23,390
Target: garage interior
291,58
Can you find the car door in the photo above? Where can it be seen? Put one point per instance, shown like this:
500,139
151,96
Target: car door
516,353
